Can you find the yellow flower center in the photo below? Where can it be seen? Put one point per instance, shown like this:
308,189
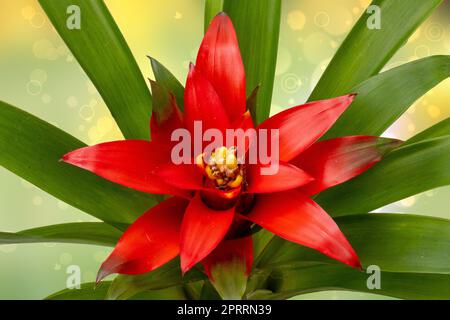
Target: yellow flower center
222,167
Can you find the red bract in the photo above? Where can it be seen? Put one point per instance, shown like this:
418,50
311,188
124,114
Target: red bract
209,216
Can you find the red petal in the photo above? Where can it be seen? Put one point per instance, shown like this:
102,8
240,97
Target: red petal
240,249
288,177
244,122
202,230
297,218
241,125
337,160
183,176
202,103
151,241
131,163
219,59
301,126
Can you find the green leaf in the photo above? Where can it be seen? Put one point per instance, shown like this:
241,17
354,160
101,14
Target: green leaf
87,292
287,283
260,241
257,24
162,102
95,233
383,98
404,172
209,292
167,80
230,278
31,149
193,290
365,51
126,286
409,249
394,242
252,102
212,8
438,130
106,58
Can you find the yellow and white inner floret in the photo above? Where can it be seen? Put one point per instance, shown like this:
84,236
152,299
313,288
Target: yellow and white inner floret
222,167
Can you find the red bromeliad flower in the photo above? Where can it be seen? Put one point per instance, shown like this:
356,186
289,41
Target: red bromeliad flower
217,199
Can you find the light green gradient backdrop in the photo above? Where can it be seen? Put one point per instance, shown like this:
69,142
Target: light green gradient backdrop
38,74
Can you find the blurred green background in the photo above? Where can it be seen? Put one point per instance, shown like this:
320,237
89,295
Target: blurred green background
38,74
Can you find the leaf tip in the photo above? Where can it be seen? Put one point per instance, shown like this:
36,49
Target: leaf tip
65,158
102,274
153,62
355,262
388,145
352,96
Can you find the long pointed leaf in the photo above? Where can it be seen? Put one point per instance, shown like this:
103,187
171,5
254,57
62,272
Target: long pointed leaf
383,98
394,242
167,80
412,252
438,130
105,56
288,283
257,24
365,51
404,172
126,286
95,233
32,148
87,292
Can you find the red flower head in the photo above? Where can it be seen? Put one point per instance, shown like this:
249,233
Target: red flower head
219,196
